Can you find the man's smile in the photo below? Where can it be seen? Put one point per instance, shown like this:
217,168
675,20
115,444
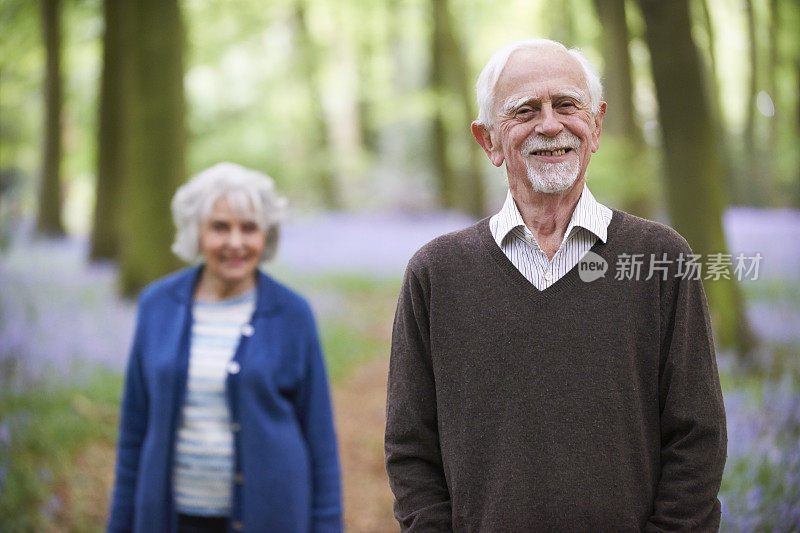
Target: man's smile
556,152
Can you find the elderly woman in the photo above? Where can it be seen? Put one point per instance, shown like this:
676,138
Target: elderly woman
226,419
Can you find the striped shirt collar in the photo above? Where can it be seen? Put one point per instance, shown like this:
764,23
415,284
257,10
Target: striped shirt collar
589,214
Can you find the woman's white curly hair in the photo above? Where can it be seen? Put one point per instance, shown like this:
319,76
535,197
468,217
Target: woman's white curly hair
248,192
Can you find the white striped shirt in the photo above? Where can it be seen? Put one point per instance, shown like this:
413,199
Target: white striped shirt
203,467
588,223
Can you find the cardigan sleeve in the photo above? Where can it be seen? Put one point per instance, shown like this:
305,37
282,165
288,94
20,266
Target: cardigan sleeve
692,414
132,429
314,410
413,455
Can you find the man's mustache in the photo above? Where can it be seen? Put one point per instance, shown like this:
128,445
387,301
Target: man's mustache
540,142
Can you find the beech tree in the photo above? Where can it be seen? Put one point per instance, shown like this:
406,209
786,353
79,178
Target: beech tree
48,221
694,170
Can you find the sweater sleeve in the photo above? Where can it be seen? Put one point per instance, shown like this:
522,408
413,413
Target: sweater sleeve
413,455
314,411
692,415
132,430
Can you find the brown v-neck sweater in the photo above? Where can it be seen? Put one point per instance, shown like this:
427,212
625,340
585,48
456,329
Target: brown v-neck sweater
587,406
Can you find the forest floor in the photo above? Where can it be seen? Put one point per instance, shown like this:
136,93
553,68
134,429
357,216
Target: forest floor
359,411
60,318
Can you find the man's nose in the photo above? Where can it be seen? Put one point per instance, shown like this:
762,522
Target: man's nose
549,124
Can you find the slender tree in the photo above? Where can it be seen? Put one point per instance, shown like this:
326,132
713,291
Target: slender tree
561,21
114,124
750,148
445,175
796,68
49,217
319,139
157,146
772,90
473,200
718,117
617,71
459,186
366,49
694,167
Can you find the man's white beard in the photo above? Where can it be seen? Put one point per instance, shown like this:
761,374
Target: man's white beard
552,177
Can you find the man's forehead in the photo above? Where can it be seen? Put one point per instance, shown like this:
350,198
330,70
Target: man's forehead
541,66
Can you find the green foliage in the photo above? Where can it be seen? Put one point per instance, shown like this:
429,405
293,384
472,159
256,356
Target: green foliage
354,313
45,429
627,176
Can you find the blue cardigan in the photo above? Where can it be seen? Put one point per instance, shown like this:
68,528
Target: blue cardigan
284,440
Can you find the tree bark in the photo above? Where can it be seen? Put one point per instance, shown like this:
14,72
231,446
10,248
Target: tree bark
365,52
451,83
797,123
718,118
445,176
49,217
158,140
750,188
321,157
617,76
771,195
561,22
694,167
113,137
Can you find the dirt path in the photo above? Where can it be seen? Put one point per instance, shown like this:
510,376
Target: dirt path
359,410
359,405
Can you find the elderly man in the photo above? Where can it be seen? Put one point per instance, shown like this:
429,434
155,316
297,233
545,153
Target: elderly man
527,390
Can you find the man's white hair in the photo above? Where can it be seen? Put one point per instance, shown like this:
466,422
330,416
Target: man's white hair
487,80
248,192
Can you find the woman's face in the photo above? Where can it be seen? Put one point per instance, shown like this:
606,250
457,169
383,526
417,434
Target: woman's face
232,245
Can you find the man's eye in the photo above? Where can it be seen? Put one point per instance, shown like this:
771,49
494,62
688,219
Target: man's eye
219,226
249,227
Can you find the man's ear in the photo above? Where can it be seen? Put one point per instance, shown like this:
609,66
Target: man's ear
484,138
598,127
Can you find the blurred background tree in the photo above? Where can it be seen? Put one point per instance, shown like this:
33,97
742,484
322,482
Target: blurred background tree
360,111
48,219
366,107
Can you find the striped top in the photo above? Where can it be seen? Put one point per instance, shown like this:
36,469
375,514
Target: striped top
589,222
203,468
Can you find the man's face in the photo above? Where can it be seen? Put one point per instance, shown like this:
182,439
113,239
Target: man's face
543,127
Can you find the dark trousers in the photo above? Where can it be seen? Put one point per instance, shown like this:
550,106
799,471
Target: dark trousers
202,524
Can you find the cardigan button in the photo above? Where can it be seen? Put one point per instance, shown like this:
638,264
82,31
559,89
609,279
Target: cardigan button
233,367
238,478
248,330
236,426
237,526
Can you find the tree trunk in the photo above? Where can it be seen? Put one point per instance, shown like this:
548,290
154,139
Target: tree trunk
694,167
113,132
158,140
49,217
797,123
460,186
365,52
321,157
718,117
771,185
561,22
445,176
621,121
751,183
